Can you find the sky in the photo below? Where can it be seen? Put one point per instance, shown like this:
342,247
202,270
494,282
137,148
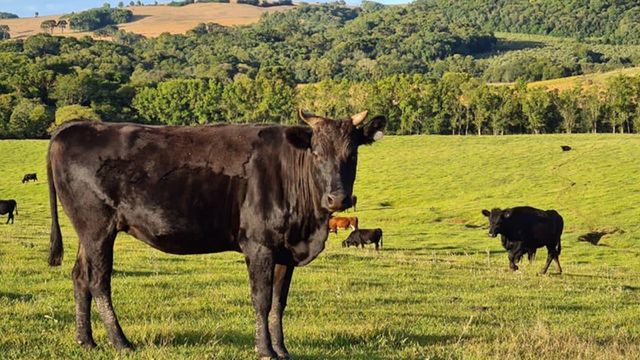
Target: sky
27,8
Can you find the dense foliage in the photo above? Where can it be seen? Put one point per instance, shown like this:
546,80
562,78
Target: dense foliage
6,15
425,73
99,17
613,21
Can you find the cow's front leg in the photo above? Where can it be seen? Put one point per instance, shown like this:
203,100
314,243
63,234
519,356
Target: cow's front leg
260,263
281,281
512,261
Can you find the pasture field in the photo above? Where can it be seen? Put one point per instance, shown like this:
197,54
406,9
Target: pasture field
439,289
152,20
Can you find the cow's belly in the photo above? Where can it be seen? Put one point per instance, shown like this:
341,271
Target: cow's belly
184,242
188,215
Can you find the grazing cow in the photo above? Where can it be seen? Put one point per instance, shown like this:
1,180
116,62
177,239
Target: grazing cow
7,207
28,177
266,191
565,147
525,229
354,201
337,222
364,236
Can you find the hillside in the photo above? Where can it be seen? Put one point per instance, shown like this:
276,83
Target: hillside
438,289
151,20
608,21
584,81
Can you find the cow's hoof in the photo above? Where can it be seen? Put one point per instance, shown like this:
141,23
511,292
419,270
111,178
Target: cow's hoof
86,343
124,346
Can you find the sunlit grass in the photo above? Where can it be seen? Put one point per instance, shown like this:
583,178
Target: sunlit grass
440,288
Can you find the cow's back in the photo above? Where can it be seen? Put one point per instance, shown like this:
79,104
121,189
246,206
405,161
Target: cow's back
178,188
532,226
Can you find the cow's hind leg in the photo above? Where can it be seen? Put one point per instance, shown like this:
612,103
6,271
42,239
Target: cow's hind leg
82,294
93,273
281,281
101,291
552,254
260,264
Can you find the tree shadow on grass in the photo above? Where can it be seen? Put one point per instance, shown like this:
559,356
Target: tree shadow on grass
137,18
16,297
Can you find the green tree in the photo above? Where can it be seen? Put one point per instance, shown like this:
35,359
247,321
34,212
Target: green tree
76,88
7,104
535,106
450,108
5,33
620,96
592,108
30,119
568,103
62,24
73,112
48,25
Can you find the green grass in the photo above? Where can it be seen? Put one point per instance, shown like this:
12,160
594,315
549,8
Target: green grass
439,289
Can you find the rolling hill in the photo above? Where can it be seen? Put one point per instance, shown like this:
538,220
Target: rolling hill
153,20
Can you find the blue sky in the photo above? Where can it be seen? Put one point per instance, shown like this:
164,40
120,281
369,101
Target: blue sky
27,8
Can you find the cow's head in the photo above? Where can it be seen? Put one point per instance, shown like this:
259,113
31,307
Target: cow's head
496,220
334,147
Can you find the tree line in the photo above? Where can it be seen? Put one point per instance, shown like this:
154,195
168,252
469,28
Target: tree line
609,21
408,63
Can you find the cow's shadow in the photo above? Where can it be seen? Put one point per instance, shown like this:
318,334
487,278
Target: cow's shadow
316,348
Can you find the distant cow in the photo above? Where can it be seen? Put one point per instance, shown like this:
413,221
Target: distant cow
525,229
565,147
7,207
354,201
364,236
337,222
28,177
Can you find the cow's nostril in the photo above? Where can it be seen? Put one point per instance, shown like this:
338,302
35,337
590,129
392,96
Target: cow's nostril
330,200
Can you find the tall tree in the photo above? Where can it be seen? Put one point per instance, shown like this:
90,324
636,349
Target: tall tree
568,103
48,25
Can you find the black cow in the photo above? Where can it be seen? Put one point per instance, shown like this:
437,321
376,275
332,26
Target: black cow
7,207
565,147
525,229
364,236
266,191
28,177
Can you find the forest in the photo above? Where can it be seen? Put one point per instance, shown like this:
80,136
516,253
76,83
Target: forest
427,71
607,21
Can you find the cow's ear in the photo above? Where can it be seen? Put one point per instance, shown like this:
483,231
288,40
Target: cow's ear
372,130
486,212
299,137
506,213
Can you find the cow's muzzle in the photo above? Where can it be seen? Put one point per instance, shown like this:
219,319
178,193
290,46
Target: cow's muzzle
338,202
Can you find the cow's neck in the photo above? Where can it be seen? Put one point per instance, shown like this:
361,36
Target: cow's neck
304,189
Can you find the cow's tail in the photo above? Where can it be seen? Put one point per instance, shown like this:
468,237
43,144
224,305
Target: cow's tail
560,229
16,208
56,250
381,237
